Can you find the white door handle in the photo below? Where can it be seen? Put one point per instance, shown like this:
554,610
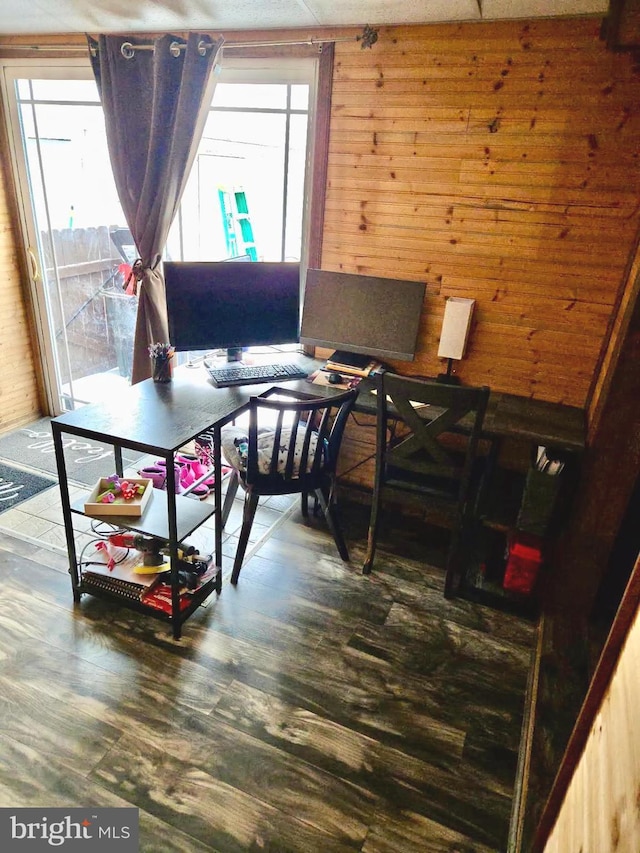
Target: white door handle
35,272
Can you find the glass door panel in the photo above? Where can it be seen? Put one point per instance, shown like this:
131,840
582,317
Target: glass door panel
75,228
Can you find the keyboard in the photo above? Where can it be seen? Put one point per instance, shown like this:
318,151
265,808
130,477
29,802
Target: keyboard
253,374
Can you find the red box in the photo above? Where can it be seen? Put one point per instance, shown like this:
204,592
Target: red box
523,564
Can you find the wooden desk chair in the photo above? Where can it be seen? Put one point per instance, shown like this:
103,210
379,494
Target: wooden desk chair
430,455
296,457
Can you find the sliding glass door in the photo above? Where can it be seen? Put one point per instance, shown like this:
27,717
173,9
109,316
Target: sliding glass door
246,195
74,229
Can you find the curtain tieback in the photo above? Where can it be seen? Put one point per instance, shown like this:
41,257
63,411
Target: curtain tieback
135,275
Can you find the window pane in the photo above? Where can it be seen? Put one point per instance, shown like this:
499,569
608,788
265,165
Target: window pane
299,97
240,163
81,189
260,96
295,187
252,155
82,307
49,90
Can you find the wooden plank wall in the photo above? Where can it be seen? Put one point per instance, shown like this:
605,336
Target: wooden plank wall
497,161
493,160
594,804
19,394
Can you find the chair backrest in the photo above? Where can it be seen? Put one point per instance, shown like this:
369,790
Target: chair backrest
436,442
301,448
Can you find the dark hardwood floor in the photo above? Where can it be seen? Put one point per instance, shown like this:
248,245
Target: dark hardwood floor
308,709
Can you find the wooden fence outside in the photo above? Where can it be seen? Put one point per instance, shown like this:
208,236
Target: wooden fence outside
90,306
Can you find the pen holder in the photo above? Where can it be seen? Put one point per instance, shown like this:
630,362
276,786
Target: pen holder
161,369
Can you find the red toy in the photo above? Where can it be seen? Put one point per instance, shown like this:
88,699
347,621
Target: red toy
523,563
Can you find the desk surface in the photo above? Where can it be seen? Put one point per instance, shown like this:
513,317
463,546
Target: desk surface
549,424
168,415
164,416
158,417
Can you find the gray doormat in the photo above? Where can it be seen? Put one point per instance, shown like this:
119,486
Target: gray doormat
17,485
86,461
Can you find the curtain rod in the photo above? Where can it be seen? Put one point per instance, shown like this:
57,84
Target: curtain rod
368,37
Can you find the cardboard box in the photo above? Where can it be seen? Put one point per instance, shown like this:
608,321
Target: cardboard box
119,506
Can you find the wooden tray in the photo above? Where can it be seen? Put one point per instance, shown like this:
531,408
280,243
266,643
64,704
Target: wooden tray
119,506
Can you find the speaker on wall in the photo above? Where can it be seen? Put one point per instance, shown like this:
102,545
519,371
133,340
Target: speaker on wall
456,324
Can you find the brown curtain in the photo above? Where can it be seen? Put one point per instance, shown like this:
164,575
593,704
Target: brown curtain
155,106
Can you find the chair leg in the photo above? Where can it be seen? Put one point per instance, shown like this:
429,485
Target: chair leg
232,489
455,568
333,522
372,536
250,506
304,505
452,575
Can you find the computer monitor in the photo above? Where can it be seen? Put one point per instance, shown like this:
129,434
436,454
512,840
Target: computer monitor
221,305
362,314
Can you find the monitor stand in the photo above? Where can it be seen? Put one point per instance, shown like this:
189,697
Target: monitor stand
234,354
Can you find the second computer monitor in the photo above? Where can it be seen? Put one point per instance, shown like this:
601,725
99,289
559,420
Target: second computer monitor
362,314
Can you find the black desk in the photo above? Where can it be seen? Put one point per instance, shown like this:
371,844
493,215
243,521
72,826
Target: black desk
159,419
508,416
156,419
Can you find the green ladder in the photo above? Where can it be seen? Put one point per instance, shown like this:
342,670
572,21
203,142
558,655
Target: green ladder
237,223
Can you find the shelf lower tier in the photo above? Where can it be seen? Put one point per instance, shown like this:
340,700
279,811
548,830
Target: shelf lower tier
194,599
484,575
491,593
190,514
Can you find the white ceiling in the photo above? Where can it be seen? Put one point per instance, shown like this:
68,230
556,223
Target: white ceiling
129,16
